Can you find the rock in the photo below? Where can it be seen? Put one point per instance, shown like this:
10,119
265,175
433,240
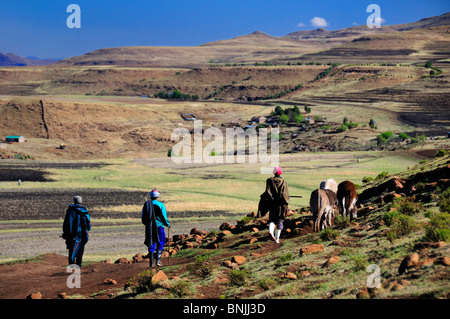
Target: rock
253,240
122,260
224,226
238,259
109,281
137,258
159,276
311,249
255,230
443,261
332,260
180,237
221,280
289,275
63,295
230,264
397,287
36,295
363,294
107,261
225,232
408,262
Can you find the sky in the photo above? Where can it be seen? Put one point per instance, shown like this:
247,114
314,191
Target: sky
39,27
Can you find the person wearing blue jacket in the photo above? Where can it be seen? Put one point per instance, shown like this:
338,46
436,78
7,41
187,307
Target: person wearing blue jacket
76,227
154,217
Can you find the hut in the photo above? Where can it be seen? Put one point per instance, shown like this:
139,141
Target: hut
15,139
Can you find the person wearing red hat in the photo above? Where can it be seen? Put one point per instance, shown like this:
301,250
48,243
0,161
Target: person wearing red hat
277,197
154,217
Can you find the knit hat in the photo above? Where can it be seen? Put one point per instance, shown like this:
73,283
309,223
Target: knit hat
277,170
154,193
77,199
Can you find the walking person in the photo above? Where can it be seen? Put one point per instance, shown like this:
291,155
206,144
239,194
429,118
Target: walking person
76,227
276,197
154,217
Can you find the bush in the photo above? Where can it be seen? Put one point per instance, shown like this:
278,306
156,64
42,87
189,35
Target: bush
142,283
202,266
386,134
401,225
372,123
441,153
268,283
438,228
351,125
298,118
367,179
328,234
181,288
284,118
238,277
407,206
444,201
341,222
283,259
342,128
381,175
360,263
404,136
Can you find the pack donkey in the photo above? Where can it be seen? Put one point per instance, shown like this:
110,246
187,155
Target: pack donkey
347,197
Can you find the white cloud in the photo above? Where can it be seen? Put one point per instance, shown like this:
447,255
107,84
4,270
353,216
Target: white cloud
319,22
379,20
301,24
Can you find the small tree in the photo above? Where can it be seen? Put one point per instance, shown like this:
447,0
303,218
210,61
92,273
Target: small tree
372,123
284,118
278,110
298,118
428,64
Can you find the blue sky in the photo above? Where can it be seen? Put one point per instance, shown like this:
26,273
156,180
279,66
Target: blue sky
38,27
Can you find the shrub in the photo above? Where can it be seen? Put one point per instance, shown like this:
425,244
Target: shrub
444,201
342,128
401,225
428,64
352,125
372,123
328,234
238,277
441,153
404,136
283,259
142,283
407,206
278,110
438,228
367,179
202,266
381,175
386,134
268,283
181,288
284,118
341,222
325,127
360,263
298,118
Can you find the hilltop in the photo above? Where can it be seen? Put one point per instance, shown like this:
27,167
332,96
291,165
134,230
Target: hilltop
259,47
402,227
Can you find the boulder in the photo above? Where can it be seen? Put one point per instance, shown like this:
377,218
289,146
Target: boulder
332,260
159,276
122,260
35,295
238,259
289,275
408,262
310,249
109,281
224,226
137,258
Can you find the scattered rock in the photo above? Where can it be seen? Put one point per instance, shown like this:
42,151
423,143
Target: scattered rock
36,295
289,275
221,280
225,226
63,295
107,261
311,249
122,260
253,240
109,281
159,276
332,260
137,258
443,261
408,262
238,259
